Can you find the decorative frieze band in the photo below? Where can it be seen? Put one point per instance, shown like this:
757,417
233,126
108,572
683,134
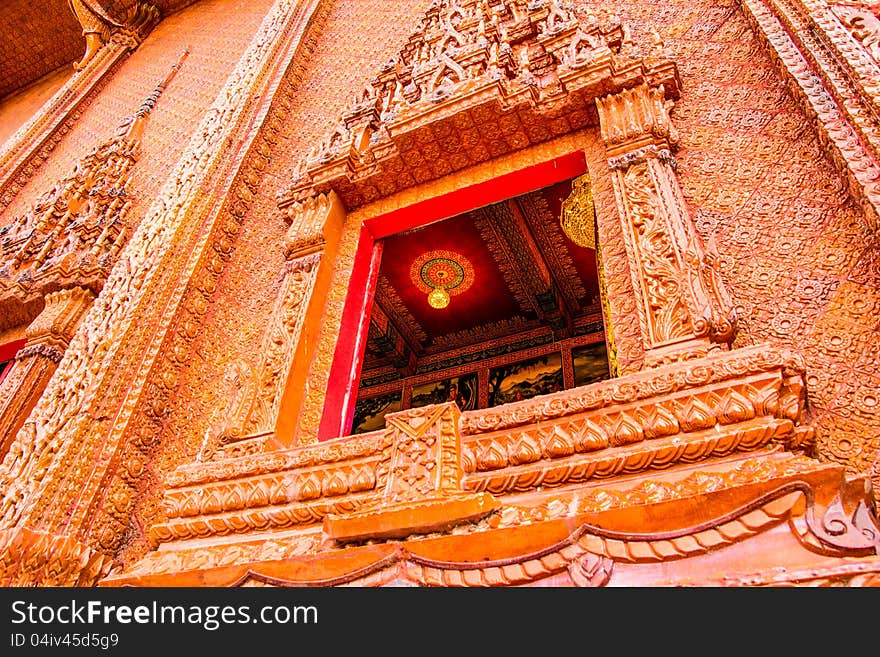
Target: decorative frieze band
716,406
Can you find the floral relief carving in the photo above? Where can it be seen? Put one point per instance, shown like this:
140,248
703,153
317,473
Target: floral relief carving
861,19
668,319
523,60
678,278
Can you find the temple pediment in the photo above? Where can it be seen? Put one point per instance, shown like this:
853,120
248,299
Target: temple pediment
476,80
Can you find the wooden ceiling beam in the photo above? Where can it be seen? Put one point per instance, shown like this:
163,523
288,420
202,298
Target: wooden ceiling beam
534,269
386,338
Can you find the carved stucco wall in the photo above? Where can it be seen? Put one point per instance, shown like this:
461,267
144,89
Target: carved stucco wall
18,107
348,51
797,255
752,172
209,63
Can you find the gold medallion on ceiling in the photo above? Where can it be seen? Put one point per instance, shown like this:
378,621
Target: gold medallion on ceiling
441,275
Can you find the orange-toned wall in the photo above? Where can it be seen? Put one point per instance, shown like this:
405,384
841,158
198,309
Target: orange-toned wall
217,32
752,172
791,243
349,50
796,253
18,107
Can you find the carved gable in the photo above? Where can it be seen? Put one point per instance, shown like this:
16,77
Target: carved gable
475,81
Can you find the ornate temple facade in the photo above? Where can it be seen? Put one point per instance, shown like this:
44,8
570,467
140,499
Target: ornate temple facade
440,293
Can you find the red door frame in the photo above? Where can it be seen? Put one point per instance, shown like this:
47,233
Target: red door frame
342,385
7,352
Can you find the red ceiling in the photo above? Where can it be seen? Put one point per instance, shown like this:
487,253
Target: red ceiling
487,300
501,300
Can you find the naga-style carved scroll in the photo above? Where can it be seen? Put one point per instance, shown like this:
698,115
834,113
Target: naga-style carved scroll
99,26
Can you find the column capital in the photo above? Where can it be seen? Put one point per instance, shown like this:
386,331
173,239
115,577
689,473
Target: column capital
637,120
54,327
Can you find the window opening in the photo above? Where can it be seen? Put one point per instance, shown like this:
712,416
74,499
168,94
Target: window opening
492,305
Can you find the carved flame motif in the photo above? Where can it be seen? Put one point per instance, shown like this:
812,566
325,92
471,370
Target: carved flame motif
80,224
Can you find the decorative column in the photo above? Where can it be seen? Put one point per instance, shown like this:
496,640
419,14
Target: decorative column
270,403
69,496
48,337
683,308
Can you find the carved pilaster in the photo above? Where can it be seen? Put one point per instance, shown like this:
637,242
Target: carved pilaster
48,337
684,309
272,393
423,485
82,455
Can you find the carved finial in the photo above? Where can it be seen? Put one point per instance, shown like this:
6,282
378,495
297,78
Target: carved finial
133,127
74,231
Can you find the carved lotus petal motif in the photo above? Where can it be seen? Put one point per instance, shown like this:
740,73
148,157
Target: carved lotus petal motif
625,430
189,507
468,460
525,450
309,488
258,496
234,499
335,485
735,408
365,480
558,444
492,457
694,415
590,437
659,421
767,401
